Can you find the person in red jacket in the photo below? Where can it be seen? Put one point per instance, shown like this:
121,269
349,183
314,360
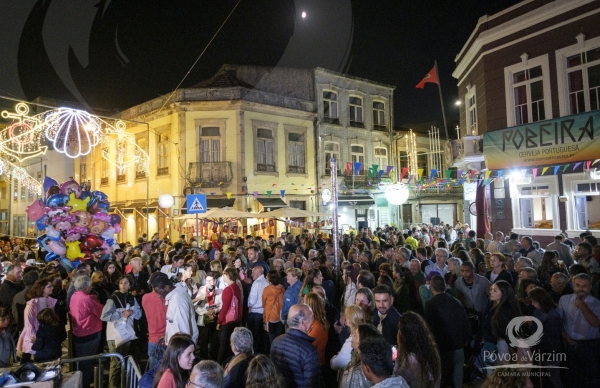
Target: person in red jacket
230,315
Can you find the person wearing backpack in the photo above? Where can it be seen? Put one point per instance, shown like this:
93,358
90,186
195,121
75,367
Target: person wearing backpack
230,315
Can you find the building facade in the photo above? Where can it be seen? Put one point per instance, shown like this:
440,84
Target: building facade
529,77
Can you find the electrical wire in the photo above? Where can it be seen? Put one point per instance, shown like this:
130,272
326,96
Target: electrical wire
199,56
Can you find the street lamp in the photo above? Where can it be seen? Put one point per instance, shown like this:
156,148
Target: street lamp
458,103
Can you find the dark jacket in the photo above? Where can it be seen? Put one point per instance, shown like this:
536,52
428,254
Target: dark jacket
296,359
504,317
236,378
389,326
8,290
448,321
48,341
504,275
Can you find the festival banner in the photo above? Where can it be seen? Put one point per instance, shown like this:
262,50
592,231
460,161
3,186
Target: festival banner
245,230
567,139
234,230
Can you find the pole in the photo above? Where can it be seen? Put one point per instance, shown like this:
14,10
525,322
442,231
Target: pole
334,198
441,100
197,232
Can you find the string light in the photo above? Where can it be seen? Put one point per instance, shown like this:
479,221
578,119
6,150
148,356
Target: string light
73,132
22,139
123,142
411,152
21,175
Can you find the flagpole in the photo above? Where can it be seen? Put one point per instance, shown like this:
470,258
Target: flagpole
441,99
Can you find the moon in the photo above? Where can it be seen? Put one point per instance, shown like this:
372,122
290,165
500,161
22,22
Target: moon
303,15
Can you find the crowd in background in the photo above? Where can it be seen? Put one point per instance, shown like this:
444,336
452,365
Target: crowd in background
424,307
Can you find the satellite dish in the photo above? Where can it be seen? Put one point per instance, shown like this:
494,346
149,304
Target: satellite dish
473,208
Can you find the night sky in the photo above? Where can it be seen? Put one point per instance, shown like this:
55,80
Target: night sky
113,54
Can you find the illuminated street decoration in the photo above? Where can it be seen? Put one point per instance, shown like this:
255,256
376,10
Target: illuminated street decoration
127,152
396,193
411,151
21,175
73,132
22,139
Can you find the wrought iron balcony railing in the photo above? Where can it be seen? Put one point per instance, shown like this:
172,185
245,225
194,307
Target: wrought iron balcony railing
211,174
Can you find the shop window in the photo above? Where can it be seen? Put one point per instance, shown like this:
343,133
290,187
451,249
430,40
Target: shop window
587,205
536,210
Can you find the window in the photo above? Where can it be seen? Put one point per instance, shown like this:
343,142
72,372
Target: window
381,158
583,75
121,150
298,205
332,149
104,168
436,213
162,150
356,112
296,153
19,226
3,195
210,144
82,172
378,115
330,107
22,193
15,190
471,110
265,150
587,205
535,207
39,179
140,169
528,98
422,163
30,195
357,154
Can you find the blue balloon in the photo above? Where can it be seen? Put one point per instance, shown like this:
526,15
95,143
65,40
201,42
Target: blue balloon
51,256
42,223
100,195
85,194
115,219
110,242
49,182
57,200
68,264
104,206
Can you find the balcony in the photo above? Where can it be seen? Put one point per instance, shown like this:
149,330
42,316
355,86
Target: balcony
104,180
162,171
121,178
361,181
331,120
296,169
140,175
210,174
382,128
265,167
463,151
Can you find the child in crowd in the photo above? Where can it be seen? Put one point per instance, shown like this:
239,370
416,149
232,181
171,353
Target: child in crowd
50,335
8,350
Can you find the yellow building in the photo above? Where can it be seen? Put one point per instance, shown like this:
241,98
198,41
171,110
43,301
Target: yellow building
222,137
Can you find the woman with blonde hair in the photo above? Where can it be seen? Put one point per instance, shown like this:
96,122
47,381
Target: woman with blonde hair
354,316
320,327
499,271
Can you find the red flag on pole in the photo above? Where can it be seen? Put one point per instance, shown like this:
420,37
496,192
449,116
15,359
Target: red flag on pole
430,77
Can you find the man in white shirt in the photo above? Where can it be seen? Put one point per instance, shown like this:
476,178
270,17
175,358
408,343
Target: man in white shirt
171,270
256,310
441,256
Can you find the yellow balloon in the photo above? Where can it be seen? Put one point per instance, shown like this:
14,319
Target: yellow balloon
77,204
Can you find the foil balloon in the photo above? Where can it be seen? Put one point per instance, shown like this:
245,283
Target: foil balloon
42,223
51,256
69,187
49,182
57,200
52,190
56,247
109,233
35,211
52,233
60,211
117,228
69,265
103,206
82,219
78,204
115,219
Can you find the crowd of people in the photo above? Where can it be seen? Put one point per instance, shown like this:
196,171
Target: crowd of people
428,306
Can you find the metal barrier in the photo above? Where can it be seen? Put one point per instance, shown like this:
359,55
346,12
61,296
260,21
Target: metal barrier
130,372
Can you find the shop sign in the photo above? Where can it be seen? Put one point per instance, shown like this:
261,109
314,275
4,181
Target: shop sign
567,139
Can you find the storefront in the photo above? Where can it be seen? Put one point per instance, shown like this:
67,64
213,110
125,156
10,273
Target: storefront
546,176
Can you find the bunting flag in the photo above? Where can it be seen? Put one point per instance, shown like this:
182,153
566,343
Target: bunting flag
472,174
225,228
274,184
419,173
566,166
255,194
263,225
556,169
255,227
587,164
576,165
379,174
430,77
357,166
228,195
282,193
374,167
500,173
448,173
534,171
271,223
404,171
389,169
215,227
487,176
410,178
245,230
234,230
348,168
459,174
433,172
544,170
269,193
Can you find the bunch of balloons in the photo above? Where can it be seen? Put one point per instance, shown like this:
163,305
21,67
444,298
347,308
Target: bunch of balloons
74,221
